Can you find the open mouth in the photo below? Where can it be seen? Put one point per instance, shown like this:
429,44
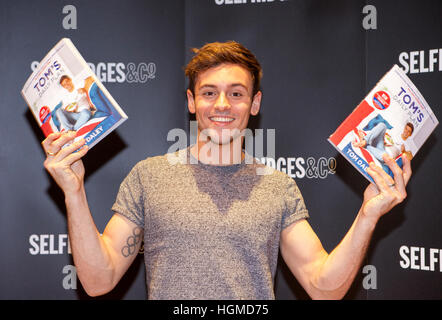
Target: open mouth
221,119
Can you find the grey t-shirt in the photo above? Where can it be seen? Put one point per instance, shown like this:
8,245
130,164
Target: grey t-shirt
210,232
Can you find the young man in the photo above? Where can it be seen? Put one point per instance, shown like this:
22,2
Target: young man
378,144
212,230
77,109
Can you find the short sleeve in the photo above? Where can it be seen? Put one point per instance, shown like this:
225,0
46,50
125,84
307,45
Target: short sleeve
129,202
294,204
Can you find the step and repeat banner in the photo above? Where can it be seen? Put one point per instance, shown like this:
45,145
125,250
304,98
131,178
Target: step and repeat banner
319,58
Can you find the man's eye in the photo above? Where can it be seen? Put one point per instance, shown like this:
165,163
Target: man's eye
209,93
237,94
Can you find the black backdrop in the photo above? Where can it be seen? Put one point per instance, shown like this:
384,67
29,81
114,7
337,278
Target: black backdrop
319,57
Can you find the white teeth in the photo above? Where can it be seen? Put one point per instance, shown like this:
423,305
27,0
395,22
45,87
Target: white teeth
221,119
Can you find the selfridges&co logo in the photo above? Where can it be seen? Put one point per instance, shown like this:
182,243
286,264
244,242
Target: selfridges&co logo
300,167
420,258
119,72
421,61
48,244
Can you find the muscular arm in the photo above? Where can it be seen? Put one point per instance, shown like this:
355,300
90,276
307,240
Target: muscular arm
323,275
329,276
101,260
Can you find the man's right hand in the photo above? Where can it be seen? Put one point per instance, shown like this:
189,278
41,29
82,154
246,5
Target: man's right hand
64,164
101,259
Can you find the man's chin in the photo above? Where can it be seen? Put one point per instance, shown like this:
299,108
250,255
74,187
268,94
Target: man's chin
222,138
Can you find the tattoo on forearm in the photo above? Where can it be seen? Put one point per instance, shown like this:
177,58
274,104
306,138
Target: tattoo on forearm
132,242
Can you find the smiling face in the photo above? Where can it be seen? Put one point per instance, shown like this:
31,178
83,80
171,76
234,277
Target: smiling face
408,130
223,103
67,84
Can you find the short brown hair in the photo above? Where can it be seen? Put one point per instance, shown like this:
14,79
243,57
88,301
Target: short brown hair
216,53
64,77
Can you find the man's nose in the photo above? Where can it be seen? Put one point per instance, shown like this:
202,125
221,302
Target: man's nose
222,103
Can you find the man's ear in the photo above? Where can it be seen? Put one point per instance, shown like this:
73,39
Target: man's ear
256,103
190,101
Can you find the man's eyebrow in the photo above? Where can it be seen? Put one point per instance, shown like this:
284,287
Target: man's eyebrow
231,85
207,86
239,85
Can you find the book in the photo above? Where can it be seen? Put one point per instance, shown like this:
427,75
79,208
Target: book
393,118
64,94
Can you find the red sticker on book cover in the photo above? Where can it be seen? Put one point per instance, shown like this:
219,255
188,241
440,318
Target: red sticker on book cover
381,100
44,113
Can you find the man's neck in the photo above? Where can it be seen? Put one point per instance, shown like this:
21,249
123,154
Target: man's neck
212,153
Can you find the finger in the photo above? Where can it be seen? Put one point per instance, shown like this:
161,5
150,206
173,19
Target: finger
375,172
49,139
406,168
57,144
70,159
63,153
397,173
388,179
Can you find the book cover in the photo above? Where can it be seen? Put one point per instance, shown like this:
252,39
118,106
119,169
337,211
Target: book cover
393,118
64,94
